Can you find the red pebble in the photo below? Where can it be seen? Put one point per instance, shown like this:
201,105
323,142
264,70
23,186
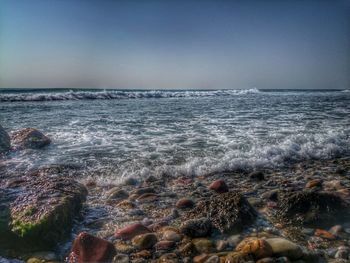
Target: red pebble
131,231
219,186
184,203
164,245
88,248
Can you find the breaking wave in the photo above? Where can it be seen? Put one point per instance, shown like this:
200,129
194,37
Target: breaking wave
114,94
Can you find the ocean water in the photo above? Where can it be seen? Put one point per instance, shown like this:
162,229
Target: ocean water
113,134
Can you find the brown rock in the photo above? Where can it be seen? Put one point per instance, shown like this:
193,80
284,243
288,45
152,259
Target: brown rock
219,186
259,248
184,203
30,138
88,248
131,231
324,234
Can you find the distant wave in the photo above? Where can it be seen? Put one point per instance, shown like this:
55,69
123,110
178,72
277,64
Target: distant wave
346,90
113,94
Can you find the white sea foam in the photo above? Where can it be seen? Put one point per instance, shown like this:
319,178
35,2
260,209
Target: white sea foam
114,94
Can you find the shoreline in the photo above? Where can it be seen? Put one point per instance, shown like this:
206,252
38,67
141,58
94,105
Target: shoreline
155,201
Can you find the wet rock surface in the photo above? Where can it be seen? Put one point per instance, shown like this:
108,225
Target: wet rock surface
30,138
38,211
280,217
227,212
5,143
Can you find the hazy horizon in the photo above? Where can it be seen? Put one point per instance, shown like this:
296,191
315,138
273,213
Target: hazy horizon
174,44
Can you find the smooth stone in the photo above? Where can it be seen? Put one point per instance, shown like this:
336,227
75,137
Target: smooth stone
184,203
147,197
202,245
219,186
164,245
259,248
30,138
130,181
88,248
200,258
145,241
284,248
121,258
130,231
196,227
271,195
314,183
5,141
171,236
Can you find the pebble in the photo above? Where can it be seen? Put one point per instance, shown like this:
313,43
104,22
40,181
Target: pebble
121,258
170,235
131,231
145,241
314,183
285,248
260,248
165,245
219,186
184,203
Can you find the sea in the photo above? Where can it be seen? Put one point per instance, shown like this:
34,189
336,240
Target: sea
116,134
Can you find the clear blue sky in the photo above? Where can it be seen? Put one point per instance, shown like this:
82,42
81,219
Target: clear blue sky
174,44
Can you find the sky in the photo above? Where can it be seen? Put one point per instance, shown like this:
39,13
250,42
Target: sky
168,44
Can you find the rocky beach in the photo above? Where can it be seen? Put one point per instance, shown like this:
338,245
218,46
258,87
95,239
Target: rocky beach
297,213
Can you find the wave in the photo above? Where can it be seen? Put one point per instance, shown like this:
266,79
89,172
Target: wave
346,90
114,94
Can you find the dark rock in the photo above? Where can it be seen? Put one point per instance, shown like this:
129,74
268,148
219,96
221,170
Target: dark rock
5,142
271,195
196,227
131,231
42,213
88,248
310,208
30,138
256,176
219,186
227,212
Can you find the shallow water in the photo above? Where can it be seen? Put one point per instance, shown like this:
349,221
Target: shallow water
117,134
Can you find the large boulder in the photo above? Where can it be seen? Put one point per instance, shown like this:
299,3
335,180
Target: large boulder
30,138
41,213
313,208
227,212
5,142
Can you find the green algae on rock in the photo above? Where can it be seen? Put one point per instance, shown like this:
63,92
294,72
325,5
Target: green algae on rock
43,214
